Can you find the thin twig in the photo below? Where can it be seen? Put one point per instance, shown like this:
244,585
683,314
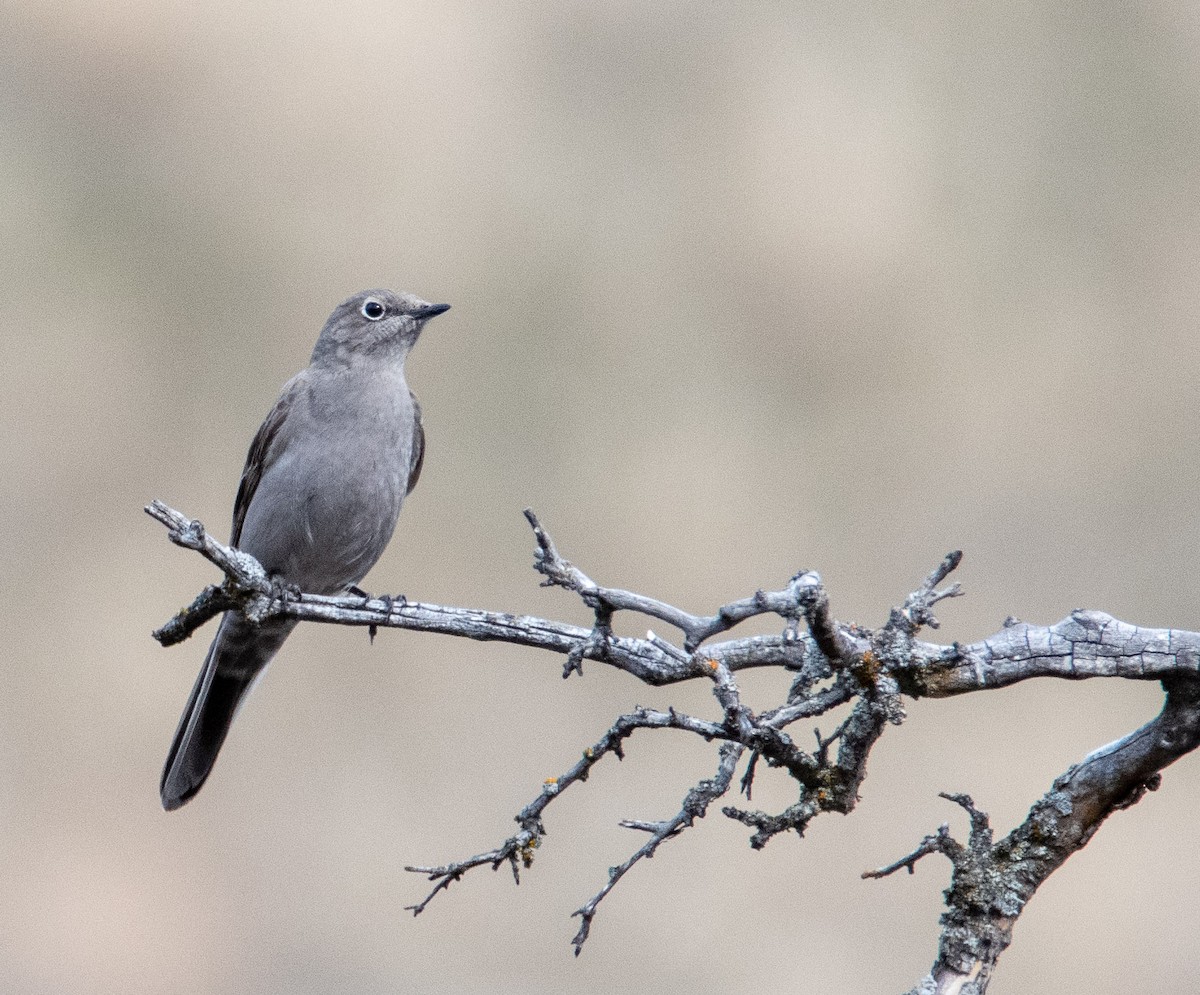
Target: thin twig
938,842
695,805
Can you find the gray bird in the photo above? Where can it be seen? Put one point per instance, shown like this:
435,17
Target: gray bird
318,501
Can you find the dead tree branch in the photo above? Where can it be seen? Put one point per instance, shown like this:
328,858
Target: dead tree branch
831,665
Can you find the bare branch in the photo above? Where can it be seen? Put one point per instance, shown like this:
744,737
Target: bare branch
191,534
918,606
939,842
830,666
766,827
1084,645
249,590
529,818
519,847
560,572
991,882
695,805
811,597
209,603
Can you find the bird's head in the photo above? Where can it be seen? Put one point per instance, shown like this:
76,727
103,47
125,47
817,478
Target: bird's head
373,323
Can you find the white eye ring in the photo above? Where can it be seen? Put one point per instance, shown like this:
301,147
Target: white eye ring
372,310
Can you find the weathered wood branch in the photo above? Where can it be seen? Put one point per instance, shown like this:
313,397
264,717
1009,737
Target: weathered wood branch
830,665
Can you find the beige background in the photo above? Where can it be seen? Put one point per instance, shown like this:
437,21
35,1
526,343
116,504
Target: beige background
737,290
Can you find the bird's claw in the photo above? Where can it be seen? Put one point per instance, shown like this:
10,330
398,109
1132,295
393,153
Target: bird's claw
390,601
282,591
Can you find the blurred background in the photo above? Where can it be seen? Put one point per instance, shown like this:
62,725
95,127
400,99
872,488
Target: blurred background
738,289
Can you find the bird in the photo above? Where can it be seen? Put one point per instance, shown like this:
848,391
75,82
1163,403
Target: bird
319,497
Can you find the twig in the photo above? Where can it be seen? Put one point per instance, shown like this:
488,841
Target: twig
939,842
520,846
560,572
530,817
695,805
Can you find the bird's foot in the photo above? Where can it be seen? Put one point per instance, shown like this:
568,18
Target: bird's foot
391,602
283,592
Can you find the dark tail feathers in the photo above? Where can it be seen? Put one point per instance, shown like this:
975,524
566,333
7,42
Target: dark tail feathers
235,660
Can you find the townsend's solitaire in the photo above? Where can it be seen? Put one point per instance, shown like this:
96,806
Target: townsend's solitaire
318,500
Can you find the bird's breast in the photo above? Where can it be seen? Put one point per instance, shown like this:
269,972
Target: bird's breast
326,509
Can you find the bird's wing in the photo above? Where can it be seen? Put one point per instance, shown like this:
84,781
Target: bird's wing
264,450
418,446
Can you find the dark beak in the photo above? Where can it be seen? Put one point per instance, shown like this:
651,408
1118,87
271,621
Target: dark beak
430,311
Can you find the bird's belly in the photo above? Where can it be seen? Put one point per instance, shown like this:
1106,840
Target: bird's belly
334,522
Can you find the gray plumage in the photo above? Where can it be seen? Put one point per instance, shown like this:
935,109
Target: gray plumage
318,500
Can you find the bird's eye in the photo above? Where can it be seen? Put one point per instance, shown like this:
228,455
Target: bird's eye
372,310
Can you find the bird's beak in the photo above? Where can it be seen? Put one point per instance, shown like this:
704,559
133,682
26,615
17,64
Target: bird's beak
430,311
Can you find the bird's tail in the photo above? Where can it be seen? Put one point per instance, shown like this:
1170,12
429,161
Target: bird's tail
236,659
